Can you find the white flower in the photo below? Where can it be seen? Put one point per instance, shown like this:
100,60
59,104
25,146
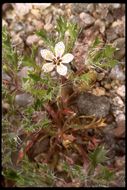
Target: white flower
57,59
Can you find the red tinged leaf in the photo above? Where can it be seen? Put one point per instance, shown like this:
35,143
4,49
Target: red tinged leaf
67,112
28,145
20,156
51,112
93,143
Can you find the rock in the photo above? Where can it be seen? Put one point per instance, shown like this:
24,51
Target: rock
120,162
41,6
18,27
79,7
99,91
23,99
36,13
21,9
37,24
101,25
117,101
4,23
117,112
24,72
120,130
29,28
48,27
39,116
90,7
89,104
107,86
32,39
100,76
48,18
110,34
87,19
108,19
5,107
121,91
119,43
115,5
102,10
5,76
117,73
6,7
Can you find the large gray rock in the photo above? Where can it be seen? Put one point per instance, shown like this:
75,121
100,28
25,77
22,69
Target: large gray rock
89,104
23,99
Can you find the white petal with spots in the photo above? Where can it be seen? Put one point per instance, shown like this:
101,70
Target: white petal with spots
61,69
67,58
47,55
59,49
48,67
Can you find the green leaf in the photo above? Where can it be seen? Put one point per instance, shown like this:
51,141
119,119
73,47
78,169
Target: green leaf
61,27
111,63
45,122
28,61
49,41
98,156
11,174
34,77
106,174
109,50
96,42
86,78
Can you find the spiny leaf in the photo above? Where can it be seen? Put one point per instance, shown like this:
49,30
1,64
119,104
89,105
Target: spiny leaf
35,77
98,156
11,174
106,174
49,41
96,42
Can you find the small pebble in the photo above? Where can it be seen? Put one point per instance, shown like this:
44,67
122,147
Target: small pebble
107,86
86,18
121,91
99,91
118,101
32,39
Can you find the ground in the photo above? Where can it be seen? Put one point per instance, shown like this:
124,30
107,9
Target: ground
105,100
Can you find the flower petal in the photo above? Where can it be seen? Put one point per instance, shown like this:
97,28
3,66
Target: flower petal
47,55
67,58
48,67
59,49
61,69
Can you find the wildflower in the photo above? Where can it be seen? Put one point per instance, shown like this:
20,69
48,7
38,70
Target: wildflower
55,61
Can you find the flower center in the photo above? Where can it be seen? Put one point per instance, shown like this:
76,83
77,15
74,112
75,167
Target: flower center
57,61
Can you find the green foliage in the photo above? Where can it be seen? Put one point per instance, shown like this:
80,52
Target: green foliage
74,171
72,29
62,26
9,54
48,39
86,77
11,174
31,175
98,156
105,174
102,57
